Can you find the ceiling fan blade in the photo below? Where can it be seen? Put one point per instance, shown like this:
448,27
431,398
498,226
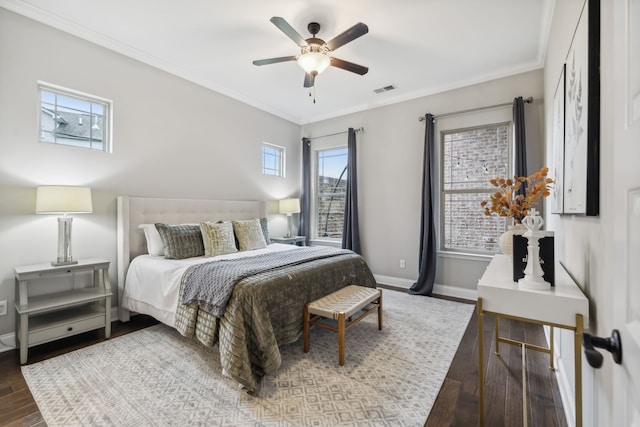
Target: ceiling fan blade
274,60
351,34
309,80
349,66
288,30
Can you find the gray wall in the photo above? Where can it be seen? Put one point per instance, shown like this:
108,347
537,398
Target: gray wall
586,245
390,172
176,139
171,138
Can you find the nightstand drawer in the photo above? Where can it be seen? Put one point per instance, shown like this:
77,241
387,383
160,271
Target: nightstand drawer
61,324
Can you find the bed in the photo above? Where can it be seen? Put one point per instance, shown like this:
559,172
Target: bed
263,311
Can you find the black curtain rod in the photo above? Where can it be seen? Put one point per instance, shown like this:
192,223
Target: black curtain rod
528,100
337,133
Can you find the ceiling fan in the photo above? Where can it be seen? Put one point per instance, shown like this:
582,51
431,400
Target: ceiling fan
314,52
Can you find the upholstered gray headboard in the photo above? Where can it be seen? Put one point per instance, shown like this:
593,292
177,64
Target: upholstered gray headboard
133,211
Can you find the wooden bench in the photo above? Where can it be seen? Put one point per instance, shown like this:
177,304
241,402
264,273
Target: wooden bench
342,305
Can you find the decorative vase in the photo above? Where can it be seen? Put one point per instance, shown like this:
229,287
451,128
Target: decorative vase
505,241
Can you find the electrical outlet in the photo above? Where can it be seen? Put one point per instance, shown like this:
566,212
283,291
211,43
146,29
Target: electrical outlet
403,264
3,308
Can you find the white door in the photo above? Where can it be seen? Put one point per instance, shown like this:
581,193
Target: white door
626,198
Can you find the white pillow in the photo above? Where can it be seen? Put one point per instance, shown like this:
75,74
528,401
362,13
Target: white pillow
154,242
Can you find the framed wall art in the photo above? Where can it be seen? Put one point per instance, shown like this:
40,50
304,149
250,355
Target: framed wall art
557,170
581,186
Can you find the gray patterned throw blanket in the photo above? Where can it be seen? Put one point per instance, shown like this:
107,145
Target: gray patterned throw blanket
210,285
265,311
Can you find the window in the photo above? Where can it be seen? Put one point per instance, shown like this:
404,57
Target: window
330,192
272,160
470,158
72,118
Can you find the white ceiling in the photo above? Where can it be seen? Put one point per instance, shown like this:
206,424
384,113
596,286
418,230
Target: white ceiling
420,46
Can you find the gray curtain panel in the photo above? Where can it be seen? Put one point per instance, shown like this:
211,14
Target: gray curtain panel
305,193
428,246
520,140
351,229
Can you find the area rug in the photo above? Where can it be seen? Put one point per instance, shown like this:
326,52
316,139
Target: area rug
156,377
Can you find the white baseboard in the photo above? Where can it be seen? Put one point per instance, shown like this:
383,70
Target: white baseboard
566,389
393,281
445,290
8,341
566,392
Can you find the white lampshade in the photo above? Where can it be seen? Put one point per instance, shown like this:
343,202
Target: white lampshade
314,62
289,206
52,199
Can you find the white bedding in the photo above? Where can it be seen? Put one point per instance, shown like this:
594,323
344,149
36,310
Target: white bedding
153,282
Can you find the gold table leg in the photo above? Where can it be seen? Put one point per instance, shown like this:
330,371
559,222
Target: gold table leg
497,334
577,356
525,411
552,360
480,364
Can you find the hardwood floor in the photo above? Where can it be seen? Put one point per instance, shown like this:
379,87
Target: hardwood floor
456,405
457,402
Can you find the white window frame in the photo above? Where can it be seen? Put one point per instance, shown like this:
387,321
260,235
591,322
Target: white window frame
107,105
282,160
488,189
320,146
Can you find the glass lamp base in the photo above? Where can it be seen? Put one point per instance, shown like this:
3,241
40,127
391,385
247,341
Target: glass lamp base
64,242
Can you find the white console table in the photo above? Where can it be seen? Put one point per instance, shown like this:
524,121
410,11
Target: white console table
562,306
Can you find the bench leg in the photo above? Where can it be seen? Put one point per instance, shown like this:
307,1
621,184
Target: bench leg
380,311
341,329
307,319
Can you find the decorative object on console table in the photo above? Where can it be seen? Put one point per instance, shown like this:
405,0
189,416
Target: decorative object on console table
547,260
505,241
289,207
533,272
513,199
60,199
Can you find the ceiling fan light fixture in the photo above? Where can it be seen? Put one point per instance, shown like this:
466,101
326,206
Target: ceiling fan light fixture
314,63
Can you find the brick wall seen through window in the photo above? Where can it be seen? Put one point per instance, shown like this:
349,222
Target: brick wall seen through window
330,192
471,157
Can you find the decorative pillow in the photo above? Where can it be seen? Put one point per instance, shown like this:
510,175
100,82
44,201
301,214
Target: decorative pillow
218,238
249,234
265,230
154,242
181,241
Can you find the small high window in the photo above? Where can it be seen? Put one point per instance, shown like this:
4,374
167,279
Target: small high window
272,160
73,118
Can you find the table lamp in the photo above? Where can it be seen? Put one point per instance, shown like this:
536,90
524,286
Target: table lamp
288,207
59,199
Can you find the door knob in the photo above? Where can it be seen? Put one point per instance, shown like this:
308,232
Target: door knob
612,344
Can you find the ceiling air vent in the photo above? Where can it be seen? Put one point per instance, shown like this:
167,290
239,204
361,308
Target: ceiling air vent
385,89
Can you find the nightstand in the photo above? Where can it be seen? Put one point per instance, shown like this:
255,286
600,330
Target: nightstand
293,240
48,317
